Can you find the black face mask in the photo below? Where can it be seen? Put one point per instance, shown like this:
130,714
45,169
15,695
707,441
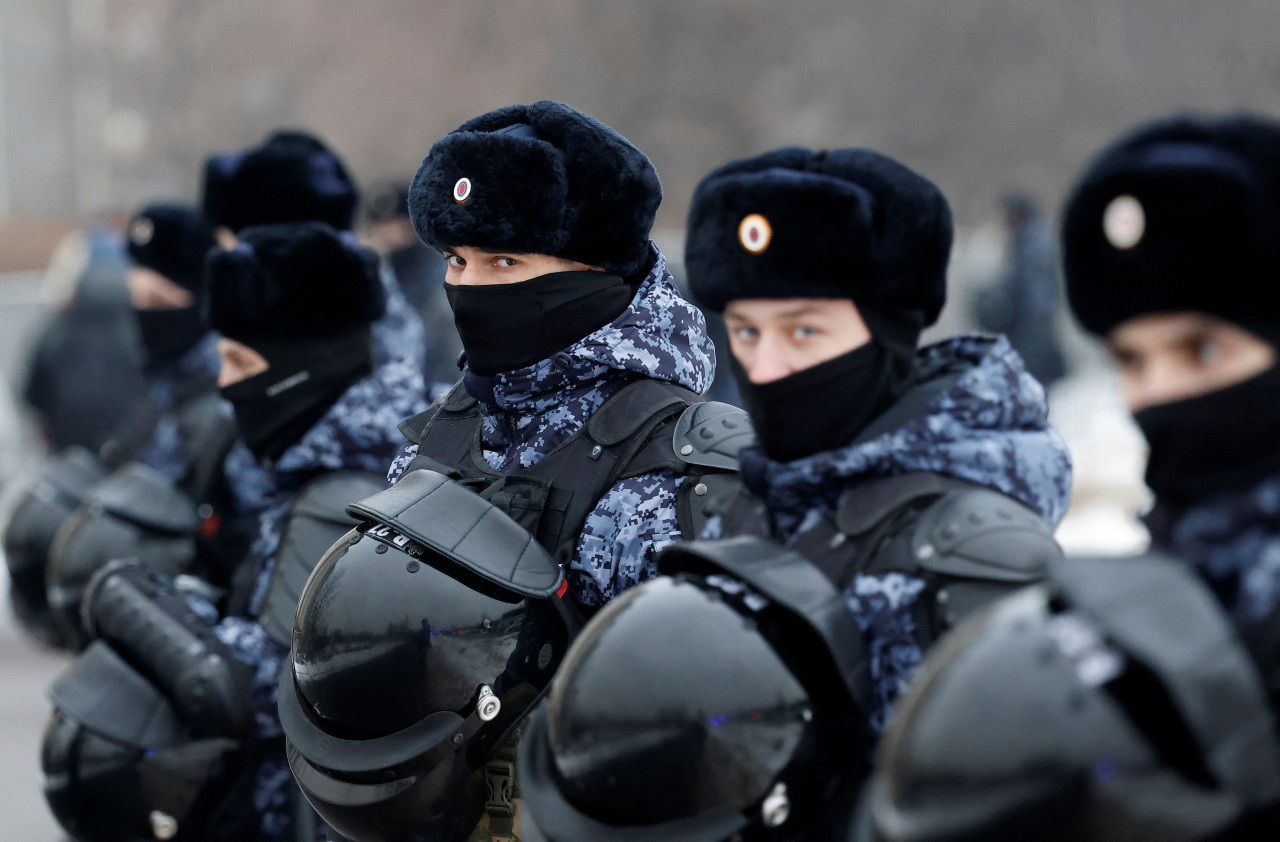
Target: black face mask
508,326
819,408
826,406
168,334
275,409
1223,441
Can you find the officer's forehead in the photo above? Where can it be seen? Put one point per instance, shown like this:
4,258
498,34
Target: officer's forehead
755,309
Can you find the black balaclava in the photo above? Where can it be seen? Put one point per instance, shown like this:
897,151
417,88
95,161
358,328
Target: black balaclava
276,408
1217,442
508,326
167,335
172,240
826,406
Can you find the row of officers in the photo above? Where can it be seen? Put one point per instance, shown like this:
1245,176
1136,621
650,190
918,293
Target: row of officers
569,599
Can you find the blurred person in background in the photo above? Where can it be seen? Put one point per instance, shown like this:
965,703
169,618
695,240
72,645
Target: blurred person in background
420,271
1171,253
293,176
1024,302
294,305
84,374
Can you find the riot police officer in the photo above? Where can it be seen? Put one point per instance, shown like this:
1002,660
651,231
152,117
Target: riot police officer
293,305
575,447
912,485
1169,248
176,437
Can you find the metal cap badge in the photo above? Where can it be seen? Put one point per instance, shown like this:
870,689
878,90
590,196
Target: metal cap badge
754,233
1124,222
462,190
141,231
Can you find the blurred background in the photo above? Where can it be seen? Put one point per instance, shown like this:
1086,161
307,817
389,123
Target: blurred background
106,104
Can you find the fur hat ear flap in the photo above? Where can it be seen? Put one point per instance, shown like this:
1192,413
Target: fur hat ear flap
303,280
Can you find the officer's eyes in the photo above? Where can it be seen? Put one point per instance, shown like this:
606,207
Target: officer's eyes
803,332
745,334
454,261
505,262
1207,352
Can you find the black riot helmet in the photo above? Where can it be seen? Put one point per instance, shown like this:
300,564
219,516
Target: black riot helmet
719,703
136,514
120,766
30,532
421,640
1111,704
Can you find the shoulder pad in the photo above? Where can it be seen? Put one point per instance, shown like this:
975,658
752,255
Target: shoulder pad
711,434
465,528
144,496
1161,614
636,405
455,400
104,694
791,581
316,519
977,533
73,471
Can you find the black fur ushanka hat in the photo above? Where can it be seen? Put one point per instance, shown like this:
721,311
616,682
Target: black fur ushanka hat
794,223
171,239
291,177
302,280
1182,214
539,179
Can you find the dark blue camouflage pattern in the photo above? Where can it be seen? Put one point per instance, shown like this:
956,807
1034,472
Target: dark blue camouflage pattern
163,451
359,433
531,410
1233,541
990,427
399,334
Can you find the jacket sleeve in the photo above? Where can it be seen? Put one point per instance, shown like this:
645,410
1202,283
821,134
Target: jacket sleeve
882,604
623,535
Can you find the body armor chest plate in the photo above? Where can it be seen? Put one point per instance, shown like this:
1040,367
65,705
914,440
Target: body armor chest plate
631,434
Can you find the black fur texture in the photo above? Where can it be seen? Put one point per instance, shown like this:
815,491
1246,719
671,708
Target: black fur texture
849,223
301,280
568,187
1209,188
291,177
171,239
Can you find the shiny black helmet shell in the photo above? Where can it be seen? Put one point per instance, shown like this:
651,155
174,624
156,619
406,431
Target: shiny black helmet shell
406,672
684,710
1114,703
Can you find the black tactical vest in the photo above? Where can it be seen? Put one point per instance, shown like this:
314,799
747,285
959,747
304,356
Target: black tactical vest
969,544
647,426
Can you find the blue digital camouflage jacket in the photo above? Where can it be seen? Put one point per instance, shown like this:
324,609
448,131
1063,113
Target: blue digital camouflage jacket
533,409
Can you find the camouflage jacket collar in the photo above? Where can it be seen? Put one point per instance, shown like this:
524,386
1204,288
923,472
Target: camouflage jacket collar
1233,540
660,335
988,425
